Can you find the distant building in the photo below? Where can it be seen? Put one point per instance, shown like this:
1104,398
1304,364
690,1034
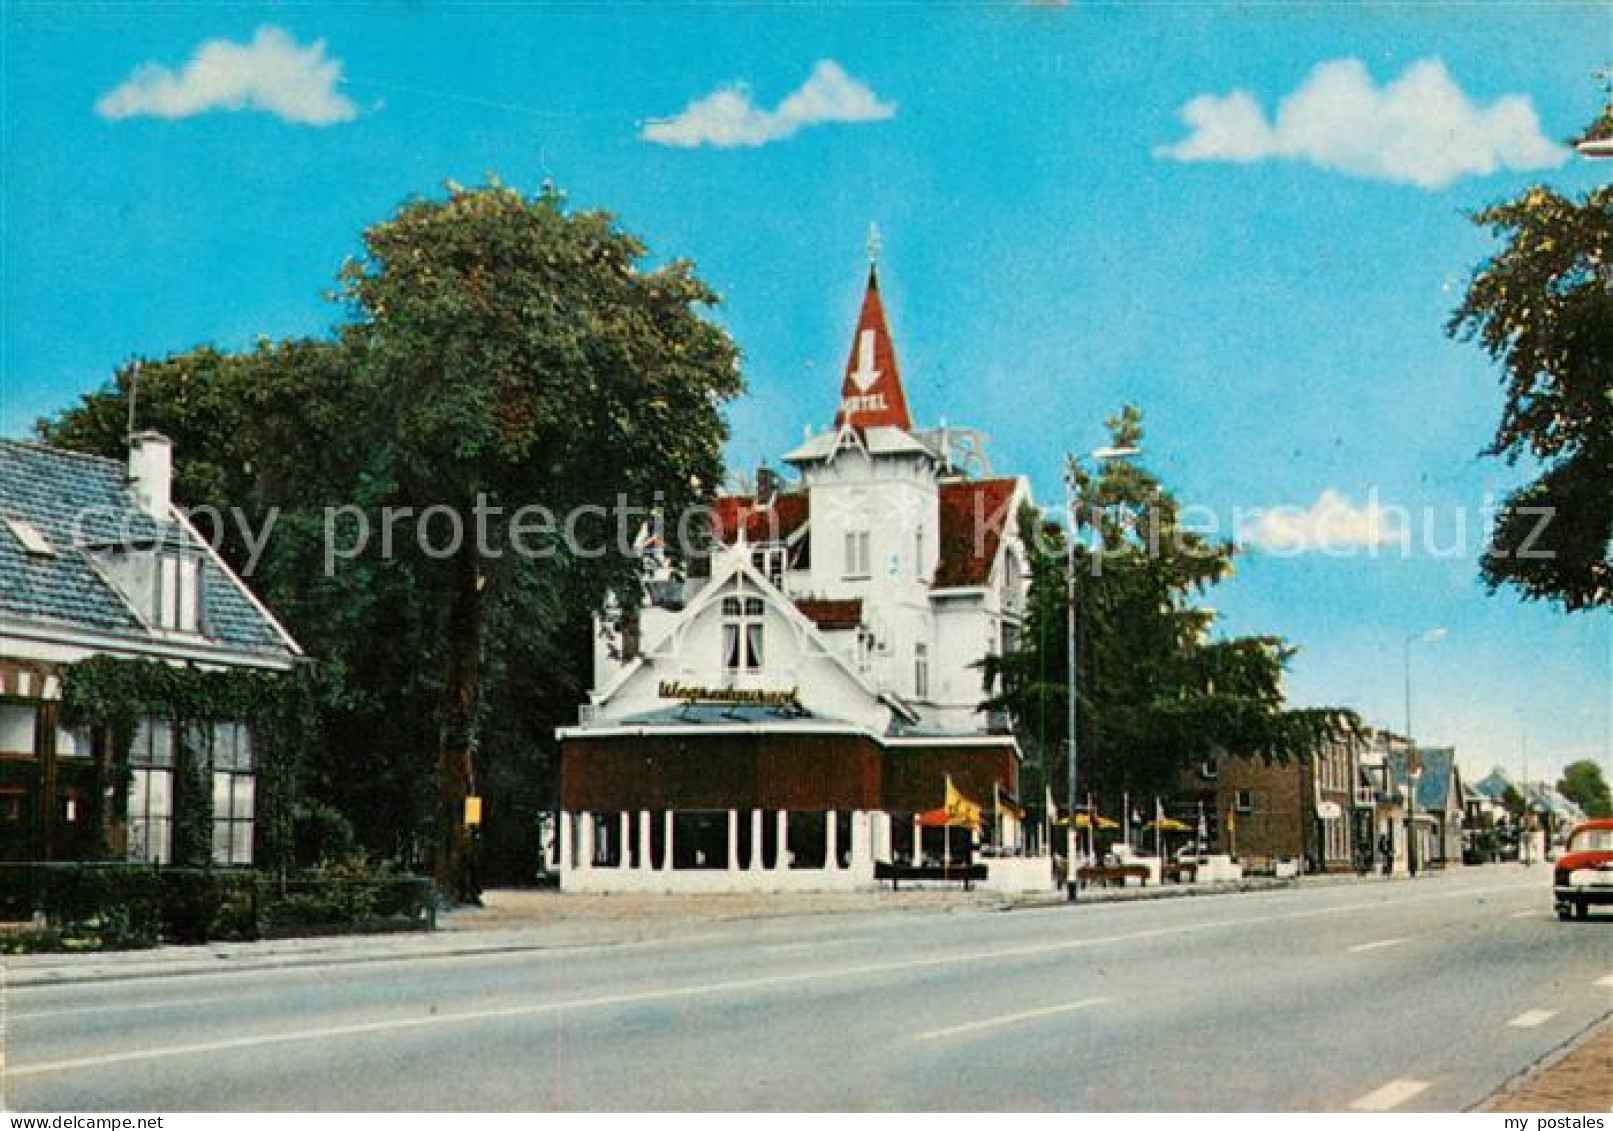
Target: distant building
1268,813
96,561
779,718
1439,809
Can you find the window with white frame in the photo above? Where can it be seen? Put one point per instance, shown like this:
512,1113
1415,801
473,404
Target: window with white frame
921,671
742,633
151,792
857,553
179,592
234,794
1244,801
769,562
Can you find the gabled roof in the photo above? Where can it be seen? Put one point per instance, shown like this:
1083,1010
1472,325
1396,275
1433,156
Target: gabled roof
876,440
871,392
974,516
81,504
1439,773
775,521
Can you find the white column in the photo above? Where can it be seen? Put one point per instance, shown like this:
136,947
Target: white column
862,843
645,841
881,824
831,842
565,843
666,860
918,841
625,823
781,857
756,840
585,842
733,841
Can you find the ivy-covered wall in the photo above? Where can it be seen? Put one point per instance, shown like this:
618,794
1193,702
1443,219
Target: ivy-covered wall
111,697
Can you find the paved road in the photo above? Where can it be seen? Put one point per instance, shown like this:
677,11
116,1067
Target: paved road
1423,995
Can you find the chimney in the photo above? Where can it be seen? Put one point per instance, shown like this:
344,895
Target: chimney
151,473
766,485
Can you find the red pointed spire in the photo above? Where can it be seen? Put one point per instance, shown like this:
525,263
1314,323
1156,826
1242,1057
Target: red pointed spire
871,394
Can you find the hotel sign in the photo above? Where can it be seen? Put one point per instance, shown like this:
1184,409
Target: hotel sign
735,696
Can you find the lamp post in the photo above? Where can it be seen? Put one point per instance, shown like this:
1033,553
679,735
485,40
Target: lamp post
1413,772
1072,466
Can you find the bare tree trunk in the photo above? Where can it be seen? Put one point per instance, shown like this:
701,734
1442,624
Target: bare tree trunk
456,769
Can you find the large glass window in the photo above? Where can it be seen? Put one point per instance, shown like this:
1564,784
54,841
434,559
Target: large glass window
742,633
234,794
151,792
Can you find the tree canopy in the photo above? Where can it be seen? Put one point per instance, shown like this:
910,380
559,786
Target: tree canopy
1542,307
1583,784
500,352
1157,691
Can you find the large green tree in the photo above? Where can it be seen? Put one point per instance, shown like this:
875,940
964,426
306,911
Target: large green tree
503,351
1542,307
1583,784
1158,692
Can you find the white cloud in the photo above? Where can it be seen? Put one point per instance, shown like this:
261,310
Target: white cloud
727,118
1332,524
1419,129
273,74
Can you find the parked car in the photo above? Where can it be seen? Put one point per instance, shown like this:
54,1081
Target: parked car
1584,872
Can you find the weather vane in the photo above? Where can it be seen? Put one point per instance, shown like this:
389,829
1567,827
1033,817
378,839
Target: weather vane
873,243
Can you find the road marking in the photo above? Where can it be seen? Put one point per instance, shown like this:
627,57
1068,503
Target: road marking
1009,1019
1390,1096
1533,1018
1607,981
738,985
1376,945
1526,915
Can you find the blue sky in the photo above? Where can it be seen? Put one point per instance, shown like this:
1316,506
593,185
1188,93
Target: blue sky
1270,285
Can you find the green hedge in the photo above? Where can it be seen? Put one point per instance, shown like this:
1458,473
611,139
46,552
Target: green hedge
124,906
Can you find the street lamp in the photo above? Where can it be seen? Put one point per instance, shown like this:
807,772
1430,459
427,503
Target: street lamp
1431,636
1072,466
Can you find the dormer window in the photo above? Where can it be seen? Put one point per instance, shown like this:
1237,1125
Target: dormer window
30,537
179,592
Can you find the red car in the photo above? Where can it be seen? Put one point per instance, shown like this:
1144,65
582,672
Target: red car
1584,872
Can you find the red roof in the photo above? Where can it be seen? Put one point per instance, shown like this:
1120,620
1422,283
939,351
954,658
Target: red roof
831,615
871,393
775,522
974,514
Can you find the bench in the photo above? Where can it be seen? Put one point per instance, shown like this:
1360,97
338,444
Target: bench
946,873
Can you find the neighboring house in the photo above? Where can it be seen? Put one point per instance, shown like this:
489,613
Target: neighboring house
96,561
1269,812
1438,811
778,718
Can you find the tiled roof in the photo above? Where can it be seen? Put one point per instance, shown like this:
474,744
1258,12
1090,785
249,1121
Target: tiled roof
776,522
832,615
81,503
1433,785
974,515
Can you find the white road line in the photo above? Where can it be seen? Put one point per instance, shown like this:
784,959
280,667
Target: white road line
738,985
1526,915
1009,1019
1381,943
1607,981
1533,1018
1390,1096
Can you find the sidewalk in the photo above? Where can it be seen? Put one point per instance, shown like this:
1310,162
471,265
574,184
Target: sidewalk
534,920
1579,1079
